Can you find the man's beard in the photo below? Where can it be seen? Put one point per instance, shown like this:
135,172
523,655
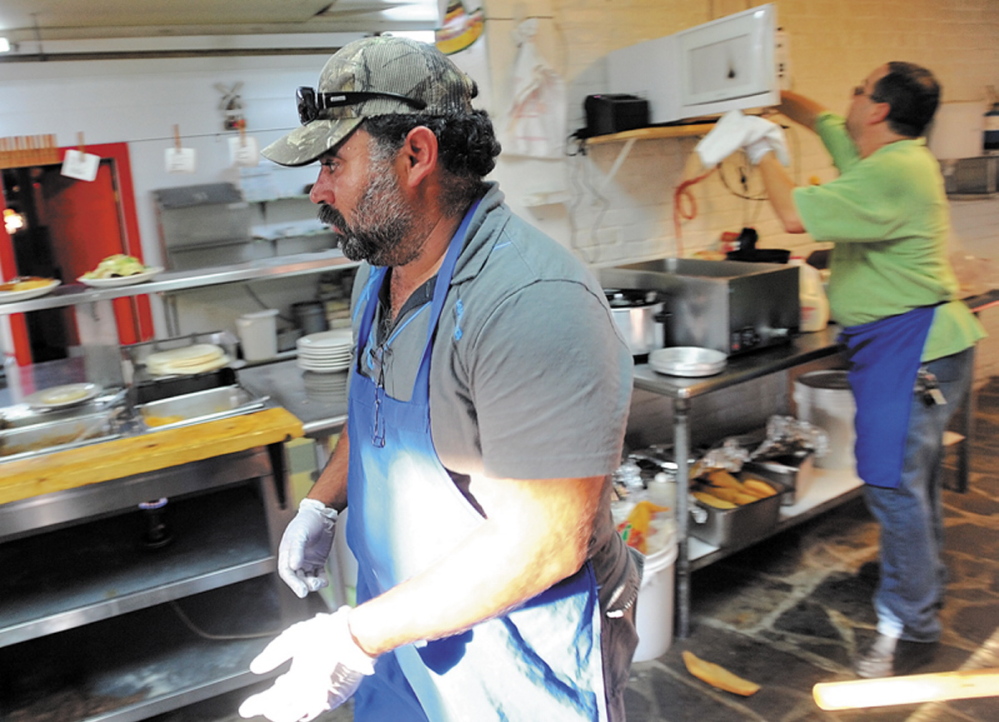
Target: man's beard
382,232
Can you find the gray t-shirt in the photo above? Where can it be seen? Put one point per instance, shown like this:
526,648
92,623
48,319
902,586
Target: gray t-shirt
530,377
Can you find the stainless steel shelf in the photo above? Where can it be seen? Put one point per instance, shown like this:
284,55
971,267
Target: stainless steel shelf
264,269
829,489
104,571
146,663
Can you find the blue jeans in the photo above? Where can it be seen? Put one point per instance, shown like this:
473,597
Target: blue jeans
911,587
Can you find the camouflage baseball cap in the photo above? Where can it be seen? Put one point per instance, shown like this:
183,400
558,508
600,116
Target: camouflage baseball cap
377,65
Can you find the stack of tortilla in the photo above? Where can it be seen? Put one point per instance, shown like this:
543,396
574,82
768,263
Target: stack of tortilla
194,359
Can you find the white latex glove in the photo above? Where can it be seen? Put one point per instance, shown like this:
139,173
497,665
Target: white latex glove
327,667
305,546
734,131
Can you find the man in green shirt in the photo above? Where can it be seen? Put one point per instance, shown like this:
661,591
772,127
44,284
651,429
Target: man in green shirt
892,288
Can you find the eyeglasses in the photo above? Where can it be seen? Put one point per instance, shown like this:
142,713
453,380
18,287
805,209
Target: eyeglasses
861,90
311,104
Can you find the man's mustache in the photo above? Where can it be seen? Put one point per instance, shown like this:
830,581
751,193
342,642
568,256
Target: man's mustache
330,216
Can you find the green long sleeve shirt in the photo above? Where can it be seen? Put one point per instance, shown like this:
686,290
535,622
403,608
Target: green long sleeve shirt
888,218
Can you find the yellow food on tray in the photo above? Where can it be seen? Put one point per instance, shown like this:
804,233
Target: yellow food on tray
718,676
759,488
722,478
712,500
736,497
162,420
25,284
725,486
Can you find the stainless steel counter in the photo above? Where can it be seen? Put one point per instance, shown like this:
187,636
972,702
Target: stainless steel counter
739,369
801,349
319,401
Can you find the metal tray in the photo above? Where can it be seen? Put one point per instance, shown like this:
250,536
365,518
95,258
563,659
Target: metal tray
739,526
57,434
794,473
200,406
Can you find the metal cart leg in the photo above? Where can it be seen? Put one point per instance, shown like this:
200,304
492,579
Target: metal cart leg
965,420
681,448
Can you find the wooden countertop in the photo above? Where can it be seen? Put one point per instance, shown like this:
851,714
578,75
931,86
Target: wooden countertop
151,451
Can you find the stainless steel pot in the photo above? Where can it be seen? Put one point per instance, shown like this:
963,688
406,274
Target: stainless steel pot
640,316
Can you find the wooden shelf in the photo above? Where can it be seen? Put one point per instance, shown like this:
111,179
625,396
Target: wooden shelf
629,137
652,133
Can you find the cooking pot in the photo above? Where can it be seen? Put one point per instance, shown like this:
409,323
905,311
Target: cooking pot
640,316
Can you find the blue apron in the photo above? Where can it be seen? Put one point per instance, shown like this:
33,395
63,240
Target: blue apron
542,661
884,358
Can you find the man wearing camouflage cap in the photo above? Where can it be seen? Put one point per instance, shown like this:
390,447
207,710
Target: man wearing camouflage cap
488,400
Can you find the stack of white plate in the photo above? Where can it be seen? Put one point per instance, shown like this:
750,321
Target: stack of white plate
326,388
326,351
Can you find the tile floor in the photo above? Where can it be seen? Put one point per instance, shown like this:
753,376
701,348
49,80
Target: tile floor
790,612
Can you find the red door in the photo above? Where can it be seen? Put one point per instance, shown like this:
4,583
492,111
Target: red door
84,222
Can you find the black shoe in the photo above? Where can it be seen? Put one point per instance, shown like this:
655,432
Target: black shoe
887,657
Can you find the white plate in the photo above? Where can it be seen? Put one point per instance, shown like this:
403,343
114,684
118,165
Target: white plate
688,361
324,364
58,397
11,296
325,356
116,281
323,368
336,338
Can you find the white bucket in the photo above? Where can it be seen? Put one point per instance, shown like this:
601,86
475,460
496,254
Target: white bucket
654,615
824,399
258,334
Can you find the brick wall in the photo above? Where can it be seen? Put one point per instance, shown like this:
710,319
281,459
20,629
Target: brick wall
833,45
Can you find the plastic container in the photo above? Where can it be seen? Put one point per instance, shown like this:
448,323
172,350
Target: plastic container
654,614
258,334
812,295
824,399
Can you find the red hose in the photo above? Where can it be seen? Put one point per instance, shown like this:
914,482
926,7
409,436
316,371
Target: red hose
683,192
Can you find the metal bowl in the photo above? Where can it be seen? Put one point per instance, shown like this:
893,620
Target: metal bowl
691,361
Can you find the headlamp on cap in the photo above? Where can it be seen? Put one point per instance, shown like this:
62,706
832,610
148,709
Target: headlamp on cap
311,104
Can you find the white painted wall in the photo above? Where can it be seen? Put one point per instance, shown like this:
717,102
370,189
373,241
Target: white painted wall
140,101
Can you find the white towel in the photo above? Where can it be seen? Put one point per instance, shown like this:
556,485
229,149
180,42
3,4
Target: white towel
734,131
537,114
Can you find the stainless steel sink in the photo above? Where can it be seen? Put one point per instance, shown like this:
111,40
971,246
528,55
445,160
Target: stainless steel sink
199,406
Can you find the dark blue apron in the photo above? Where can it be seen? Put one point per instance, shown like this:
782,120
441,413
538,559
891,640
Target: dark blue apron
541,661
884,358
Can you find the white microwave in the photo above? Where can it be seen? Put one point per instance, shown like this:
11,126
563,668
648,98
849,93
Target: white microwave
705,70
